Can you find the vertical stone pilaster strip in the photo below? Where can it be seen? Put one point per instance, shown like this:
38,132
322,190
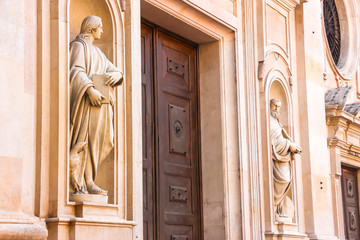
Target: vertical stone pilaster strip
251,127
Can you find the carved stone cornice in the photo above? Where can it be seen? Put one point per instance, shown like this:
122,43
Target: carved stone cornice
336,116
347,149
343,126
288,4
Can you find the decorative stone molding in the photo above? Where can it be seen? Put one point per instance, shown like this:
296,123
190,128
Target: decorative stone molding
284,235
288,4
92,226
342,119
274,62
343,130
349,49
347,149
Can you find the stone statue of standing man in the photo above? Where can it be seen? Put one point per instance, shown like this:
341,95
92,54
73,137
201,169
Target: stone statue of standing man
283,150
91,111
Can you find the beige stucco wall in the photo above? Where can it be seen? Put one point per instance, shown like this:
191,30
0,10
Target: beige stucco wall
18,120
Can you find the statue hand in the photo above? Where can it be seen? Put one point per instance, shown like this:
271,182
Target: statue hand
95,96
295,148
114,78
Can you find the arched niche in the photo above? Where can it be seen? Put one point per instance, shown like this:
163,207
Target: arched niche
276,84
79,9
277,91
274,65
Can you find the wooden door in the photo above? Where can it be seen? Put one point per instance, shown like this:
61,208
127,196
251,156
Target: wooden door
148,132
351,203
175,183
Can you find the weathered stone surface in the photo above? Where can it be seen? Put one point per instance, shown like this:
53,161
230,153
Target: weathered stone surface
22,231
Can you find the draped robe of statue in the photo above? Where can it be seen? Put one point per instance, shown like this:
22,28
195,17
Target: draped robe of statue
281,158
90,124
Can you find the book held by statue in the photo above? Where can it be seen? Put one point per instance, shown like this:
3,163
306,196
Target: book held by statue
99,84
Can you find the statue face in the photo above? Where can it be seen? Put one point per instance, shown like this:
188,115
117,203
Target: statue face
275,108
97,33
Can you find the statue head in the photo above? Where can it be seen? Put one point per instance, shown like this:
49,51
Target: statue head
91,25
275,105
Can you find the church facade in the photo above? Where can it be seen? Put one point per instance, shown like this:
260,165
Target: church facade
193,152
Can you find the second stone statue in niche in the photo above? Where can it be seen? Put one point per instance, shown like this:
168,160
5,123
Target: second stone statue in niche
283,150
92,81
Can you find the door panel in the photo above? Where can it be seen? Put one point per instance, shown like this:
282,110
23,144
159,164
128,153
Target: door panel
177,128
351,203
171,182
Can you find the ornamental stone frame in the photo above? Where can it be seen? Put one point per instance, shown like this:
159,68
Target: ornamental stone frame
350,42
277,75
343,125
56,206
113,166
218,92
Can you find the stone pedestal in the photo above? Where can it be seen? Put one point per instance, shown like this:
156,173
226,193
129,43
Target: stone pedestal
279,219
89,198
285,231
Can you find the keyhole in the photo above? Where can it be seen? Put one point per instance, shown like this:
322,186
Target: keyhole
177,129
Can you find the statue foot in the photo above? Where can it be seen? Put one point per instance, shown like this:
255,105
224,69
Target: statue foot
81,191
93,189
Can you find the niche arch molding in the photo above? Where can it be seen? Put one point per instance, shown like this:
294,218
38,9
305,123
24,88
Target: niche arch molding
111,44
276,83
54,88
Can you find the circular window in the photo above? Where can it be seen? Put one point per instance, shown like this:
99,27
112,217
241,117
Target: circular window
341,24
332,28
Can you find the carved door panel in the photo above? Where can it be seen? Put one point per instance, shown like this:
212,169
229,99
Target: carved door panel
148,132
351,203
179,211
171,178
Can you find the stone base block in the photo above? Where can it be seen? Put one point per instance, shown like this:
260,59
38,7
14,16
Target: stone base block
286,235
89,198
283,219
30,231
89,228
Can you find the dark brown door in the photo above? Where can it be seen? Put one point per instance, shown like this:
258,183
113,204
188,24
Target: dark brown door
148,132
172,209
351,203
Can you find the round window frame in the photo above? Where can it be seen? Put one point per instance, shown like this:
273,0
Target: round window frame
349,45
